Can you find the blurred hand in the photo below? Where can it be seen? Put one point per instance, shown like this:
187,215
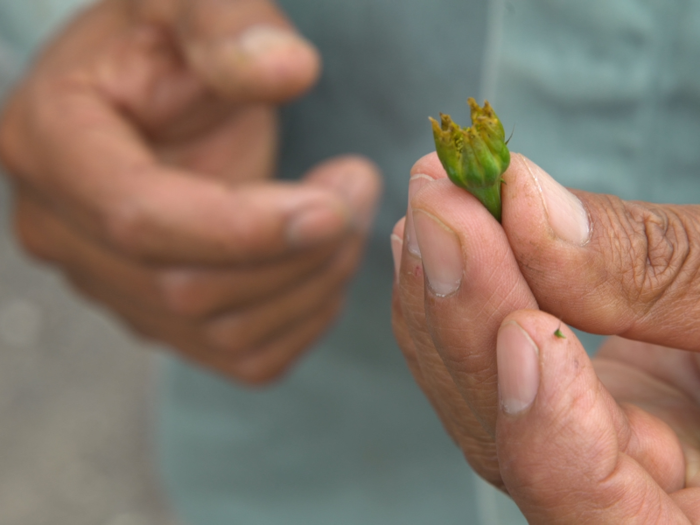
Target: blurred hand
612,440
141,147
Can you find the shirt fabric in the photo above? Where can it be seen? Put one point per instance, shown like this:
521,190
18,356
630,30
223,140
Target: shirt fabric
603,94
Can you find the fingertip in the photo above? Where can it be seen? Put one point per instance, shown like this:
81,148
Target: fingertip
316,224
430,165
399,227
396,239
555,340
354,179
523,212
264,62
563,375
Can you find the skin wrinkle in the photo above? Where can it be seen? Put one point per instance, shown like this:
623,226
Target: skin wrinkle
562,415
477,367
629,252
461,431
495,307
677,286
656,384
657,267
613,367
652,261
621,247
535,476
690,265
564,408
641,500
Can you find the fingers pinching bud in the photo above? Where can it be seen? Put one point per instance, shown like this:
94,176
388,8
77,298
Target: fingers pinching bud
476,157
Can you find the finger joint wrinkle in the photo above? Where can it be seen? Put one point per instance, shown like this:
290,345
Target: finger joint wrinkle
659,255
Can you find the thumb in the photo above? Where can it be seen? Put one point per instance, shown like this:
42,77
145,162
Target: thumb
606,265
246,50
566,449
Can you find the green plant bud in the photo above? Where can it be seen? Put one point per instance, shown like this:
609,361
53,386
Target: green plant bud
476,157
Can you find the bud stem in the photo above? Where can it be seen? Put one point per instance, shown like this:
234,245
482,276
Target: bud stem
490,197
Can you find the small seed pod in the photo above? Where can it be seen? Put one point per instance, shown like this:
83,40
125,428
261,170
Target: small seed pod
476,157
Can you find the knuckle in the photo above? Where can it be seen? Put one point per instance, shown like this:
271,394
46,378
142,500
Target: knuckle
228,340
182,295
654,253
126,226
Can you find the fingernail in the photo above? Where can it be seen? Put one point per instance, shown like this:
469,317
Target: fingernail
396,249
692,467
315,225
518,368
567,216
260,40
352,184
414,184
256,43
441,253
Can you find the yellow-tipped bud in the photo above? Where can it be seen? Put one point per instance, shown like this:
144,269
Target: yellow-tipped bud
476,157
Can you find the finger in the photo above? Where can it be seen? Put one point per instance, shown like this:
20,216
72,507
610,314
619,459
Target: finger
467,410
605,265
562,454
398,321
660,405
258,366
676,368
201,293
43,235
142,74
246,50
104,181
432,377
689,502
140,71
472,283
187,293
440,393
236,333
272,360
240,148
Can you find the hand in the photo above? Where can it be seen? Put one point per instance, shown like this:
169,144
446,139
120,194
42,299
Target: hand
141,148
612,440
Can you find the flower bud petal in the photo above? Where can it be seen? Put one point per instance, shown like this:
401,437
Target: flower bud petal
476,157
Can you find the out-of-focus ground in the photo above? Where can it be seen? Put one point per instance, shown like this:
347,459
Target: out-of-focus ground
76,405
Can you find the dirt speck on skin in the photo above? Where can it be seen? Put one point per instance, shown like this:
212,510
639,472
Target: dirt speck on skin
418,271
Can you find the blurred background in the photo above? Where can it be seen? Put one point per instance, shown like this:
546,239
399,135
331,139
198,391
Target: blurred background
76,391
76,398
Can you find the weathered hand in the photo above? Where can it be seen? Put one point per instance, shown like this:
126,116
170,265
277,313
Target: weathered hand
572,441
141,146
